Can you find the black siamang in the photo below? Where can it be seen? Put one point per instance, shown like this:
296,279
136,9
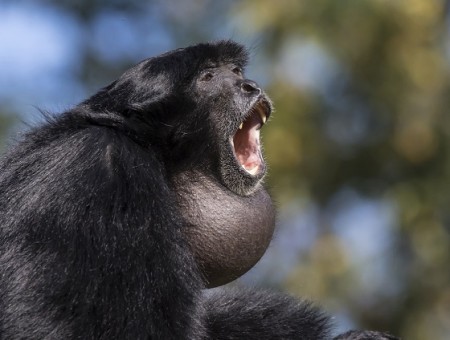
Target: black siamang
116,215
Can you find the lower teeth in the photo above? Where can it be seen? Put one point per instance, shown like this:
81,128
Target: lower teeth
252,171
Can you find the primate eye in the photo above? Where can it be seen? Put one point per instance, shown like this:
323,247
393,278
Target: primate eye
237,70
206,76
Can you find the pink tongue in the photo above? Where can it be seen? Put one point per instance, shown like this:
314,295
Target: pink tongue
249,160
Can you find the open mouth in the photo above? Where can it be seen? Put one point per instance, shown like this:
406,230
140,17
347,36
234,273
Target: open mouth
246,141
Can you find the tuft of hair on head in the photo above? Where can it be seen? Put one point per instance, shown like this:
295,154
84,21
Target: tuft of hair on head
219,52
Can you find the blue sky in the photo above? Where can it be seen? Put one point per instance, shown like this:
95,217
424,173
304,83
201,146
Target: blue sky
41,51
38,48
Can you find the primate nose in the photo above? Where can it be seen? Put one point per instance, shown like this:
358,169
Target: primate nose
250,87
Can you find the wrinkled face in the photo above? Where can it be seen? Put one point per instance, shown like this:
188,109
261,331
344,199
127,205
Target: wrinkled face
238,109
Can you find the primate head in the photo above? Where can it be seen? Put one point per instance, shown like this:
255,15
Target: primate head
196,106
197,109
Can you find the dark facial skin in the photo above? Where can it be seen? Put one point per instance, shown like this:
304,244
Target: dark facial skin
231,100
228,215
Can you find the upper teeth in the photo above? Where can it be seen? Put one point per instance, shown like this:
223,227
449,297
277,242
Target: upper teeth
263,119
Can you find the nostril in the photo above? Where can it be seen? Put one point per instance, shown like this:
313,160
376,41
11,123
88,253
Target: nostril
250,87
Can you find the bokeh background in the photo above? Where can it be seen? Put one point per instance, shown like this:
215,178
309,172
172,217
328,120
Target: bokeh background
358,147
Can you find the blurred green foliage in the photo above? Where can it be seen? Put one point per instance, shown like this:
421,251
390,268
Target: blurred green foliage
361,90
393,77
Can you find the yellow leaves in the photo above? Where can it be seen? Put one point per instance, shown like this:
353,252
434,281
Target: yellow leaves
284,137
430,241
421,61
327,255
255,16
432,322
415,141
283,147
425,68
425,11
415,49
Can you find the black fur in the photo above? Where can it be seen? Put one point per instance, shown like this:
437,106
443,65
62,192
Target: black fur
250,314
91,239
365,335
